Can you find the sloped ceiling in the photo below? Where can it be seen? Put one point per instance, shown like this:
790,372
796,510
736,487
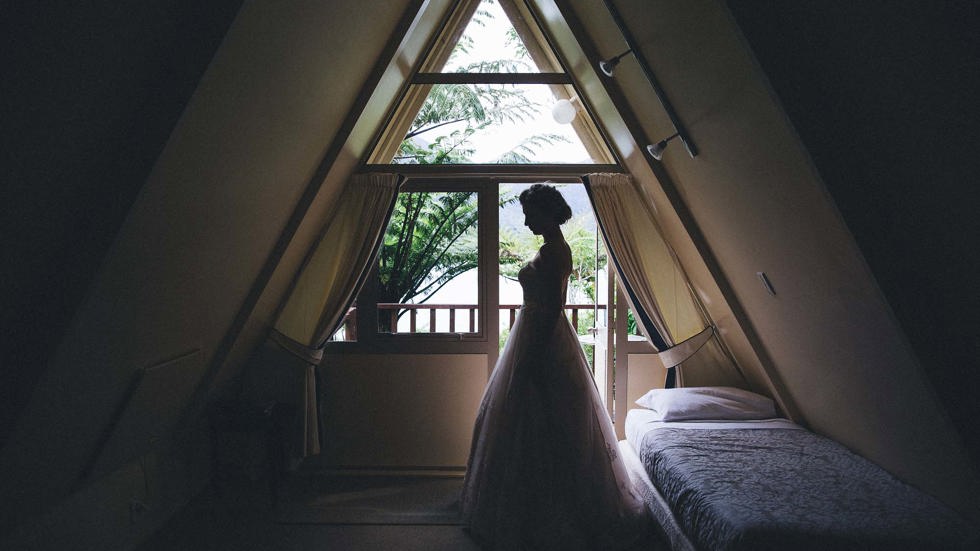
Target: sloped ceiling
91,93
200,210
760,203
885,101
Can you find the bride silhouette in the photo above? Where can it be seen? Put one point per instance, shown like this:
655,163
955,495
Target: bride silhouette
544,471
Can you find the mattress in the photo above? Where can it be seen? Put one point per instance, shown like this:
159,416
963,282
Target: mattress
771,484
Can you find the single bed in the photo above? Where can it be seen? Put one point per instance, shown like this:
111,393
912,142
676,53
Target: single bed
767,483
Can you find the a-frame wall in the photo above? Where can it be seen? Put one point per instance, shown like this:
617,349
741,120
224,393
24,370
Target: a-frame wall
248,156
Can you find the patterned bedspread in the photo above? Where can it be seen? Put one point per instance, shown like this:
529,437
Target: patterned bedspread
791,489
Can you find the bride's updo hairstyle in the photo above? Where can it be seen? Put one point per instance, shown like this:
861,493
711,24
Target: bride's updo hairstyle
548,200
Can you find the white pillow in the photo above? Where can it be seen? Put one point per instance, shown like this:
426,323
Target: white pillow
707,402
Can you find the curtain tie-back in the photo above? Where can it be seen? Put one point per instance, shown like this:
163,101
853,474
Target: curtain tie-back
677,354
296,348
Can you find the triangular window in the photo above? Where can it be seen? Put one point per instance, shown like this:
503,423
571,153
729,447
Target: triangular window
491,91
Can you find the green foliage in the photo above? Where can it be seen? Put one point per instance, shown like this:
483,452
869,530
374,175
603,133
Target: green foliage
585,321
470,108
518,247
430,240
514,41
523,153
502,340
631,327
451,149
582,241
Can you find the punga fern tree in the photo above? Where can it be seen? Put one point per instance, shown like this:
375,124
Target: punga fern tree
468,109
431,239
432,236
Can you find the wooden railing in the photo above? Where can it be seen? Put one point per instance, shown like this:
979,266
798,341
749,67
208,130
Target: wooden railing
468,310
414,309
571,310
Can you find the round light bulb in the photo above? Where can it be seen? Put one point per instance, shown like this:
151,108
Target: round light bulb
563,112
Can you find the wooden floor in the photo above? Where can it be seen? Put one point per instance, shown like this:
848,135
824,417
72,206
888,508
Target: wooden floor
242,519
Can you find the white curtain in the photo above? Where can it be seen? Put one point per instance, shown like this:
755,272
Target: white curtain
660,293
334,271
321,295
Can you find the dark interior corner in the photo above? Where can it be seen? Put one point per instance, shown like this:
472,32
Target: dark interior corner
883,95
91,94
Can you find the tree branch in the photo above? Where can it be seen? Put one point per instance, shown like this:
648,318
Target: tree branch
412,134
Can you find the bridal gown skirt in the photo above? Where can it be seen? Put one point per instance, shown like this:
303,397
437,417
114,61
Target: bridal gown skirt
544,470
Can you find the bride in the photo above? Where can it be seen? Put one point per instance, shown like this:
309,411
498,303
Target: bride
544,470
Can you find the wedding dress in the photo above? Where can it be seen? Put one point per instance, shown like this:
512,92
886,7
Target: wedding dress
544,470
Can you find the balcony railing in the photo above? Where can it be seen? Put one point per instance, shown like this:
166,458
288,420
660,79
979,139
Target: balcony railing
468,321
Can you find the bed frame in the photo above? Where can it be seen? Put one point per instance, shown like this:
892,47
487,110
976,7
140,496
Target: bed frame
655,503
932,526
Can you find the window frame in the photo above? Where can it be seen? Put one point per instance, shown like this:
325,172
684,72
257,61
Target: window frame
371,339
427,73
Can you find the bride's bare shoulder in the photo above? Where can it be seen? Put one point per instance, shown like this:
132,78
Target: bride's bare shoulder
553,248
556,253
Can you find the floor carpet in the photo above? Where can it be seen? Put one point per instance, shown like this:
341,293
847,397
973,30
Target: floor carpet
386,500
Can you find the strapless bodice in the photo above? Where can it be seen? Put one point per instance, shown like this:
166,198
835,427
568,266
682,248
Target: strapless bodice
536,289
